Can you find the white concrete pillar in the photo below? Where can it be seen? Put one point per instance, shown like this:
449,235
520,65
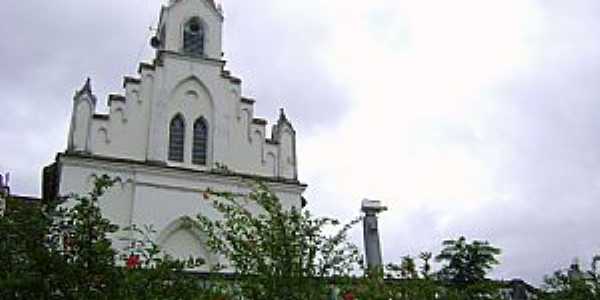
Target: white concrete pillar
372,208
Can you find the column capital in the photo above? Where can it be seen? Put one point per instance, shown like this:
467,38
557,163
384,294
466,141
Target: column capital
372,207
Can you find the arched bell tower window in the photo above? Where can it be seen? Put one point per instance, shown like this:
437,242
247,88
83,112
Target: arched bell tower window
193,37
199,149
176,138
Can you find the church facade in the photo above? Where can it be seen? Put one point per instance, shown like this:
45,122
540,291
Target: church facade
181,126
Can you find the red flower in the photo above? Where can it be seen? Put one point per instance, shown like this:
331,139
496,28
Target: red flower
67,242
348,296
133,261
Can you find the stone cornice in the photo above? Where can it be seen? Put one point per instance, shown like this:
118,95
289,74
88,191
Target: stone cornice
127,165
146,66
247,100
130,80
259,121
101,117
115,97
272,142
213,61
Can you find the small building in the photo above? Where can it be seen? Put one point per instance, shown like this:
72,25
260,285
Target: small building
518,289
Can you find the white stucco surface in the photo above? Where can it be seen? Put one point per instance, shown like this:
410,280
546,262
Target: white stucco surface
160,196
131,142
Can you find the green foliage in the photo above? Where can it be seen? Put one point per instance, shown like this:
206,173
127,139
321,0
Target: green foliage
63,251
280,253
466,263
488,290
375,287
406,270
425,258
393,286
24,256
150,274
405,282
574,283
54,252
79,234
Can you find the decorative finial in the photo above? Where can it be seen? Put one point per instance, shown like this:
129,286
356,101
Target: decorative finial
282,116
86,90
88,86
283,120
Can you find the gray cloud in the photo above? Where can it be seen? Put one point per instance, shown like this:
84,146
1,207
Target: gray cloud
551,124
276,55
544,147
49,47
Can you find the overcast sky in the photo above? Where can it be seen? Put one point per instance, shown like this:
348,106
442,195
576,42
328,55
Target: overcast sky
466,117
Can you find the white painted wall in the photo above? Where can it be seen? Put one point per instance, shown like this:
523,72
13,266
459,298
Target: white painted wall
81,122
175,15
131,143
137,128
160,196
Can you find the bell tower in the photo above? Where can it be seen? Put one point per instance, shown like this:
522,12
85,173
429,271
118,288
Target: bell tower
192,28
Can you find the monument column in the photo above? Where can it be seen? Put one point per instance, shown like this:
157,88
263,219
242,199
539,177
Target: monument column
372,208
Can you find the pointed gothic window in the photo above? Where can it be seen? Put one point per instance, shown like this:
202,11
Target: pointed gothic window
193,37
200,142
176,139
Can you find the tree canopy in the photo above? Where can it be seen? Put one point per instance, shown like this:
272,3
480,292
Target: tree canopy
466,263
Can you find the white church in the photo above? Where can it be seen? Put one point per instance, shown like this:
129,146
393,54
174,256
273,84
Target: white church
182,125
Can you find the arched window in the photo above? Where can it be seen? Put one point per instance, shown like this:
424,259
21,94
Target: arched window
200,142
193,37
176,138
